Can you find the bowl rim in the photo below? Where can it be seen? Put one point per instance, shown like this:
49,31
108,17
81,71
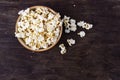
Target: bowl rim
39,50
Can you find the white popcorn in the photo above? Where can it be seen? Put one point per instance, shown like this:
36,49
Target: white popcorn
41,25
38,28
34,47
66,18
56,32
50,28
40,17
84,25
26,25
27,10
71,41
72,21
81,34
66,21
20,35
40,38
73,27
48,41
27,40
21,12
87,26
63,49
20,30
50,16
44,45
53,40
67,30
70,24
80,24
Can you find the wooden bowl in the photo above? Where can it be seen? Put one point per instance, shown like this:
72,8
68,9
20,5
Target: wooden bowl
40,50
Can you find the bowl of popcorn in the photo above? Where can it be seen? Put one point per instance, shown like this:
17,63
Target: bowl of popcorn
38,28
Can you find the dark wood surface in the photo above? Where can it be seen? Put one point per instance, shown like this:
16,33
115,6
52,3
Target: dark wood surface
95,57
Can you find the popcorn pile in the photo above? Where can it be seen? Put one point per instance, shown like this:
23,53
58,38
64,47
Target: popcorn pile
39,27
71,25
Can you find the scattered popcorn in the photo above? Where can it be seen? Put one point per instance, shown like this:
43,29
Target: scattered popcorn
66,18
84,25
67,30
72,21
80,24
38,27
81,34
70,24
88,26
71,41
73,27
63,49
66,21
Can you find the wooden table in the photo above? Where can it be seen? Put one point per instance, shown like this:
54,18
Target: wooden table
94,57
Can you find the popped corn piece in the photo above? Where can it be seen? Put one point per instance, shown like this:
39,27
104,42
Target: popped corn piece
50,25
48,41
27,40
27,10
53,39
85,25
20,30
72,21
21,12
63,49
66,21
67,30
44,45
20,24
41,18
25,25
71,41
40,29
50,16
66,17
81,34
81,23
38,10
20,35
56,32
40,24
67,25
40,38
73,27
34,47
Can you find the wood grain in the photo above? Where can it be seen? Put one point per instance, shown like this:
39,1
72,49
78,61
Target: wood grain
95,57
